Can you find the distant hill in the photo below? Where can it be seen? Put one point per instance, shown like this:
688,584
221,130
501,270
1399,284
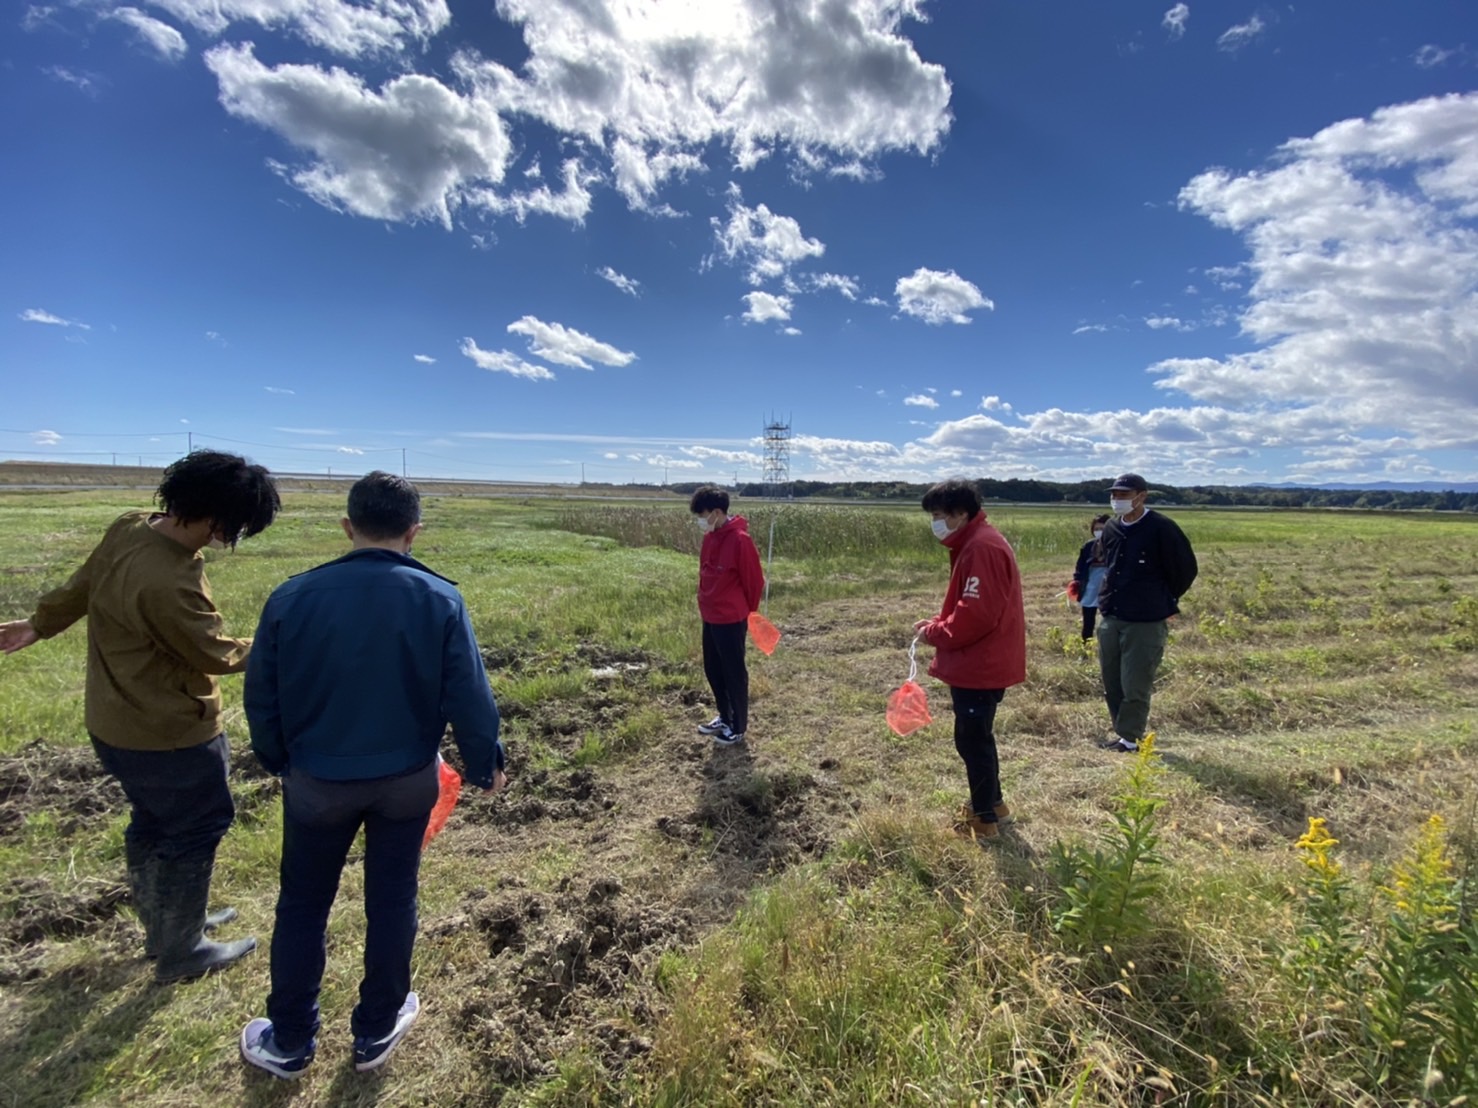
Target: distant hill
1380,486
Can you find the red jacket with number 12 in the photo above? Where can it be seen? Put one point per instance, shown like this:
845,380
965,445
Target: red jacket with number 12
979,636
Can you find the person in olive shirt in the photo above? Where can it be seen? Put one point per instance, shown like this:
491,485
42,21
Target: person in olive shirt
155,645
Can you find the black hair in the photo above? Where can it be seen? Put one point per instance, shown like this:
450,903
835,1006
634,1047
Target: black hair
1097,520
239,498
952,497
383,506
707,498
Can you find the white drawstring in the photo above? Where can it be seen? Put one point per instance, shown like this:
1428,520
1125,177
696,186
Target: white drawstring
913,662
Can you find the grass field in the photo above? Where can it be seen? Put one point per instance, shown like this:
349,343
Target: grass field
645,919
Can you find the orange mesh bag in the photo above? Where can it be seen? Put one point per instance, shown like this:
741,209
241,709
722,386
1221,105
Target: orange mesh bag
449,787
908,705
764,633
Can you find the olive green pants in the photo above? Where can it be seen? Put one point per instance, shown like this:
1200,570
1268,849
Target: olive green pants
1129,657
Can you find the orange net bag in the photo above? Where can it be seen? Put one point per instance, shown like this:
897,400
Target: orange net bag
449,787
764,633
908,705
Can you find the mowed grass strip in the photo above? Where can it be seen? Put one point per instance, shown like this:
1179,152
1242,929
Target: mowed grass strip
1323,665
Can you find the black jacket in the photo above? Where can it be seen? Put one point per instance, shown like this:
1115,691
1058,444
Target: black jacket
1150,566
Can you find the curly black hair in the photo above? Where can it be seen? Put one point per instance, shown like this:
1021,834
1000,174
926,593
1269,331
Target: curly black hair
707,498
239,498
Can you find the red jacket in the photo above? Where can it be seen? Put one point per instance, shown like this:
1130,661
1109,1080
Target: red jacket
979,636
730,581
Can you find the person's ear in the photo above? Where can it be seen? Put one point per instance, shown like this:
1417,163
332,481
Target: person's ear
348,528
410,536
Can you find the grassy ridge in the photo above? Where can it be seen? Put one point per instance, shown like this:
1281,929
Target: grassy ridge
1324,666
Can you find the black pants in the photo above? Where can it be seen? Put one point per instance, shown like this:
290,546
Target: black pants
180,800
1089,616
975,739
728,677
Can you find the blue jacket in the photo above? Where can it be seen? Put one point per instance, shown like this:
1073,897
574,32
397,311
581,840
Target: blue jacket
359,665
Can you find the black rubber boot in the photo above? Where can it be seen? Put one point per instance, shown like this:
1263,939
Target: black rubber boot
182,889
141,892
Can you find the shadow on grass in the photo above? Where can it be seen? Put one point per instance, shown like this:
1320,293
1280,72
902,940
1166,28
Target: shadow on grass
74,1023
1273,796
348,1089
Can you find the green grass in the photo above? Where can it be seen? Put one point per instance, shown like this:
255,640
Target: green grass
794,924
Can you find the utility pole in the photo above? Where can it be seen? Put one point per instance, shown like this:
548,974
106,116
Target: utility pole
582,473
190,441
403,471
115,457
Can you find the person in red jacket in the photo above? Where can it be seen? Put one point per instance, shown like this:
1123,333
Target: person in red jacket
730,585
979,641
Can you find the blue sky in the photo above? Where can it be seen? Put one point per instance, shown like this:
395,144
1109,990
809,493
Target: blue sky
1215,242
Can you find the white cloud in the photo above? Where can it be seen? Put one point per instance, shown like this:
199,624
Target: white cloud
45,438
504,361
573,204
956,393
413,150
1430,56
1234,38
994,404
847,286
37,16
921,400
348,450
563,345
764,307
834,84
352,29
1175,19
667,462
157,35
40,315
424,359
790,331
768,243
279,392
727,457
611,456
1167,322
1364,265
939,298
1085,328
80,79
628,285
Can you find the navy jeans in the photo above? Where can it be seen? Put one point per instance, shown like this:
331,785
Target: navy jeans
319,821
180,801
975,739
728,676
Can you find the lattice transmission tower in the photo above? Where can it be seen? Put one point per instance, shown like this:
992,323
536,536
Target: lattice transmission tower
777,458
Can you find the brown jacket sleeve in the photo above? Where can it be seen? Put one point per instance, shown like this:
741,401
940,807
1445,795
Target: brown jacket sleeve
66,604
182,618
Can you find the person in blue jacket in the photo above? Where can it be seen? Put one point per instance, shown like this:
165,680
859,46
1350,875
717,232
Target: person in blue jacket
1088,575
357,668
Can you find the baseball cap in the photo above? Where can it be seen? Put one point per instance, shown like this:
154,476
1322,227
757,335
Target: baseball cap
1132,481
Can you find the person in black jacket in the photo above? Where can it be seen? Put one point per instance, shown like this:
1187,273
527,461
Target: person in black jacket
1150,566
1088,576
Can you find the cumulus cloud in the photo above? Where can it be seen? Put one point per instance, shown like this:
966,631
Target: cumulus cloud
1364,266
1167,322
641,93
1175,19
348,450
351,28
765,307
415,149
424,359
939,298
157,35
847,286
956,392
563,345
628,285
40,315
504,361
45,438
921,400
767,243
1240,35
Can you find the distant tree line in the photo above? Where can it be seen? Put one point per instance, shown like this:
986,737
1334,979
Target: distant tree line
1094,493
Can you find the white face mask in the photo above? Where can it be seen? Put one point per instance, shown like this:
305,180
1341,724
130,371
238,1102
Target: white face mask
704,525
941,529
1097,535
1121,507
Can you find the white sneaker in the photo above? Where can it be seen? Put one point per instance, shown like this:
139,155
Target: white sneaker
372,1053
